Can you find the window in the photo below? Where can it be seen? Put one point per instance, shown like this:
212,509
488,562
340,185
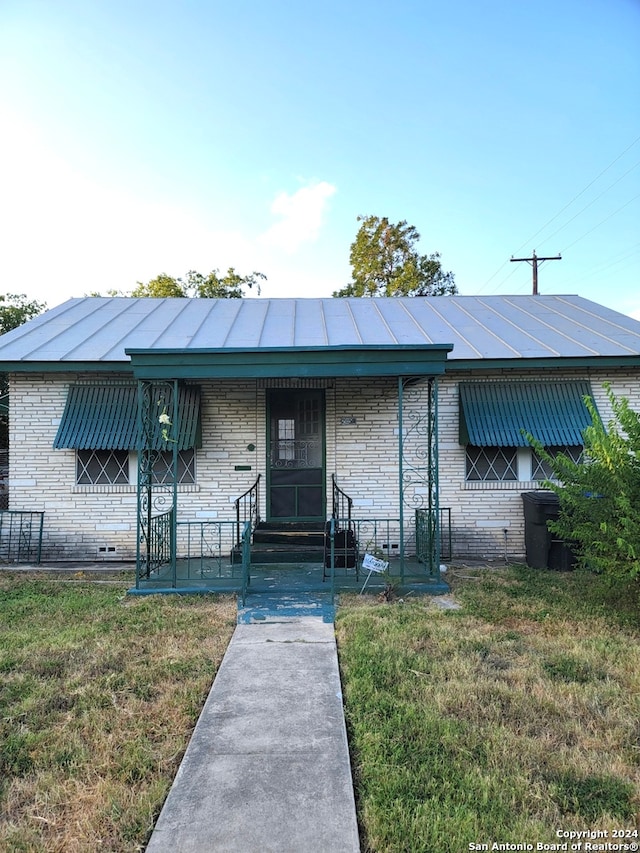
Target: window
186,467
540,468
491,463
496,418
286,439
102,467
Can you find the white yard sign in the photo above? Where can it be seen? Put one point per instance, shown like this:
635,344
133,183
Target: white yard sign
372,564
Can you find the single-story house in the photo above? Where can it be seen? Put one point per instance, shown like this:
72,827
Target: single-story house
122,407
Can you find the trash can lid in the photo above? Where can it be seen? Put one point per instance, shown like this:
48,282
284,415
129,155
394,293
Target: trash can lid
541,497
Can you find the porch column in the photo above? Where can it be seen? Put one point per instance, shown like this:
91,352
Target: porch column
418,486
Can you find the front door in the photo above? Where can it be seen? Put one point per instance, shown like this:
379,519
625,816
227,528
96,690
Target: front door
296,456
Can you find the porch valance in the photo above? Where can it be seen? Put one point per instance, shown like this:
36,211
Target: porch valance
494,414
105,417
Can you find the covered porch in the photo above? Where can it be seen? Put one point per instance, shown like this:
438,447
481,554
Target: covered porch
399,524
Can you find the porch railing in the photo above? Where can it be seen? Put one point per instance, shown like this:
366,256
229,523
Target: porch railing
246,560
247,511
158,546
207,546
20,536
381,536
341,504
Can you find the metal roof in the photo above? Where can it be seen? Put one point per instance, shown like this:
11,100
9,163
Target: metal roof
494,414
97,331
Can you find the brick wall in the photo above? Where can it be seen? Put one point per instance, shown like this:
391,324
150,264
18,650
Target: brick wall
99,522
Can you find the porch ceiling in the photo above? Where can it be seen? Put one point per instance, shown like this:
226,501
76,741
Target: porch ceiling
289,362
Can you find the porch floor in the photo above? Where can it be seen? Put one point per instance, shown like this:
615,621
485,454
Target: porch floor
275,578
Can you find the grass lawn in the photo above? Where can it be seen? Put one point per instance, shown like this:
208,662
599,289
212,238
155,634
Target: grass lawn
99,693
503,721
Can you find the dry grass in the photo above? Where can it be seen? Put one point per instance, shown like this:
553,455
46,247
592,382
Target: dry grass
99,695
502,721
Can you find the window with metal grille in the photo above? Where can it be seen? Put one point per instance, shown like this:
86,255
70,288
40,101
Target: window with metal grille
541,469
186,467
492,463
102,467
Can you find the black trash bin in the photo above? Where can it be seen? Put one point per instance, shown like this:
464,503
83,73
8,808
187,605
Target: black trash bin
539,507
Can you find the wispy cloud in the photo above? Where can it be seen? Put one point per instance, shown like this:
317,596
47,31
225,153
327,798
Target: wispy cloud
301,215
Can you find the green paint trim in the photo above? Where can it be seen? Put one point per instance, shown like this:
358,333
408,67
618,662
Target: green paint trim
66,367
290,362
311,363
520,364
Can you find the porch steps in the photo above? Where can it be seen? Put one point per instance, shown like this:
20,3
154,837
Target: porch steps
283,542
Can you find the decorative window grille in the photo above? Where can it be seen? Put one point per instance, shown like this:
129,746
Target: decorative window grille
186,472
492,463
102,467
541,469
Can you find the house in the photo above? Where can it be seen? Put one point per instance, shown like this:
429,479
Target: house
401,409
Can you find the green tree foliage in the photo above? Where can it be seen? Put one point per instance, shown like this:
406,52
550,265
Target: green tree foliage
600,495
231,285
15,309
385,262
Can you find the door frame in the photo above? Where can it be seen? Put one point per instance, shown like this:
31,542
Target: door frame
297,392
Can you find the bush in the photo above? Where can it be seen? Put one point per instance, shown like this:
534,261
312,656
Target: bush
600,495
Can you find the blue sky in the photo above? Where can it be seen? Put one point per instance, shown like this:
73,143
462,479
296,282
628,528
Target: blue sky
146,137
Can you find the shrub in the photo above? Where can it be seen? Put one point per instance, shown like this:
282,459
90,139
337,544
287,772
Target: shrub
600,495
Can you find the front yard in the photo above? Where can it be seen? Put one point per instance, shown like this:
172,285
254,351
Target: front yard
504,721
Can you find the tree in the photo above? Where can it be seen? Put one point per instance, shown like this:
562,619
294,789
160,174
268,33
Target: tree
600,495
211,286
385,262
15,309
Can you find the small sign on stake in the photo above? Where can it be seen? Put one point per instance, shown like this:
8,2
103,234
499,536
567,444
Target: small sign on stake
373,564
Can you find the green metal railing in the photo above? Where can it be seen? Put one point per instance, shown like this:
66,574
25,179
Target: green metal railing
157,545
246,560
381,536
207,546
20,536
341,503
247,510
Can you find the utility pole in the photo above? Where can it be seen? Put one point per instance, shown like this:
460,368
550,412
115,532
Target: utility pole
534,261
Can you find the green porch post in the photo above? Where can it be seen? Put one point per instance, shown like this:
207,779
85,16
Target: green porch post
401,473
156,526
417,444
173,541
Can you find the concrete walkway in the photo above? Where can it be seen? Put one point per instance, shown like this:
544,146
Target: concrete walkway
267,768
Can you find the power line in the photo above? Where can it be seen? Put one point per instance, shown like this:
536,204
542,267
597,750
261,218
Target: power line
607,264
593,201
553,218
602,221
582,192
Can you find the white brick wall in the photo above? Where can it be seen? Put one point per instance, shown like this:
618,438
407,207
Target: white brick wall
487,519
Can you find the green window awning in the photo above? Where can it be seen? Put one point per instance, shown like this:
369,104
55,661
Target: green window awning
494,414
105,417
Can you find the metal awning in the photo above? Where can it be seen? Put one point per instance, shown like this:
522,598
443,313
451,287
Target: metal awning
495,414
105,417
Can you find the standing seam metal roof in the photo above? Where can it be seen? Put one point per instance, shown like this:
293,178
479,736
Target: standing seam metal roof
100,329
